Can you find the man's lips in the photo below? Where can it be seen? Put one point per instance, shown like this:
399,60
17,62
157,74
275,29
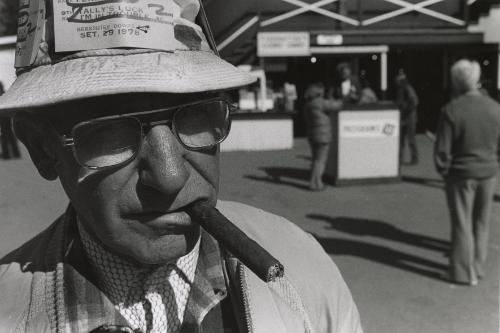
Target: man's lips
163,221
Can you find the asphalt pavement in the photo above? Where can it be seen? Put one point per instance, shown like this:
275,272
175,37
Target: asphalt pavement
389,240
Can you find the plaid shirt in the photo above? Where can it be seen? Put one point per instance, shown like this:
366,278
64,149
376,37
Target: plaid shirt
81,307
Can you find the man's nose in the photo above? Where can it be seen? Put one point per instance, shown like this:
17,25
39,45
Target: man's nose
161,160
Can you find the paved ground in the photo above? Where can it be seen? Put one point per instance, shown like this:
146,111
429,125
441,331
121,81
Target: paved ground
389,240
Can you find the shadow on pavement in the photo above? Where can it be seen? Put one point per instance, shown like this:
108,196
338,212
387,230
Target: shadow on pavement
366,227
295,177
436,183
383,255
496,197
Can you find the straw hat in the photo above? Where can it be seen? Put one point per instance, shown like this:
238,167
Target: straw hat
76,49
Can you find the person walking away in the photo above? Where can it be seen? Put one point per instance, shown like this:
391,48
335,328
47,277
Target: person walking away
319,130
466,154
407,102
9,141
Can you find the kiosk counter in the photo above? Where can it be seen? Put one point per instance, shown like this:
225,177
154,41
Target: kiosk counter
260,131
365,146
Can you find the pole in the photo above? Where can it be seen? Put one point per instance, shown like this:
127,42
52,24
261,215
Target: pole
383,74
466,11
498,74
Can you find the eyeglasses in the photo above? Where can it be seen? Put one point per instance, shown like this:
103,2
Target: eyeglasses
115,140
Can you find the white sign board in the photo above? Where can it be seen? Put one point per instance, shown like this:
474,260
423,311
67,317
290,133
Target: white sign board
329,39
368,144
283,44
7,70
99,24
369,128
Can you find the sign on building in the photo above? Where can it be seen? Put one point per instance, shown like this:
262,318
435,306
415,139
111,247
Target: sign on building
283,44
328,39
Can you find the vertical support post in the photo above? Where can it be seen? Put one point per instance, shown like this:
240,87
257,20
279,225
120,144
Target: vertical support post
383,74
446,70
263,86
355,65
498,74
360,13
465,4
263,89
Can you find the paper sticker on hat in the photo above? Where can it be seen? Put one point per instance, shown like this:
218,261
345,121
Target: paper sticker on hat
30,26
99,24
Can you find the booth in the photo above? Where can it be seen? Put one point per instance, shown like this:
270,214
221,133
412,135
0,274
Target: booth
258,131
365,146
264,119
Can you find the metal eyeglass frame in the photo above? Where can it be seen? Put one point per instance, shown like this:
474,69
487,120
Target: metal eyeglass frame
68,141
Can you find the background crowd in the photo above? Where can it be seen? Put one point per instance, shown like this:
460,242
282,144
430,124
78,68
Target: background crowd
466,155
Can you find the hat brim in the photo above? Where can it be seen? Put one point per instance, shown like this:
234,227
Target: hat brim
155,72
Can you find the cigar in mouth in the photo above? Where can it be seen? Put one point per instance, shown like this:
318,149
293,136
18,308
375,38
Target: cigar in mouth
251,254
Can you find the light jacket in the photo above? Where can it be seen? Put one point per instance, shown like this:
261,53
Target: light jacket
312,297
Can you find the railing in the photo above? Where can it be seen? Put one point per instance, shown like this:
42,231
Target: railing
372,14
236,22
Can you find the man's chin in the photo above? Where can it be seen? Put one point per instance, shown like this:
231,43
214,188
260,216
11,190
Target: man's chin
161,250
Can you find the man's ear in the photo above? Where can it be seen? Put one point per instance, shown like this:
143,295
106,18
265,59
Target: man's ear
39,137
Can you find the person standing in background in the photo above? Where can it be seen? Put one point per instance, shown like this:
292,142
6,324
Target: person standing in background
466,154
367,95
319,130
9,141
347,87
407,102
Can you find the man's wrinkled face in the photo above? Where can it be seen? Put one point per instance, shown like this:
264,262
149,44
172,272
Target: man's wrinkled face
137,210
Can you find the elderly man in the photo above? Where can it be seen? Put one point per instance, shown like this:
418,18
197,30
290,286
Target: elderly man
120,101
466,154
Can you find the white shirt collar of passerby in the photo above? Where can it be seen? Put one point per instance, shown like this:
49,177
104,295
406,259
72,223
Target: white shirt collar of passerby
346,87
152,300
